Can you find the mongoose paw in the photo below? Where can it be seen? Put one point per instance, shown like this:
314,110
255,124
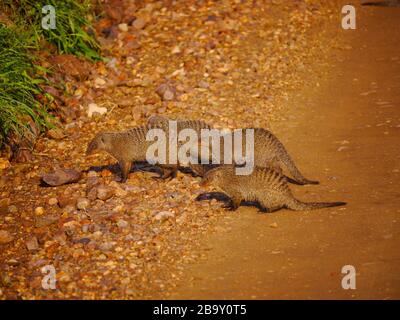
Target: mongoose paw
230,206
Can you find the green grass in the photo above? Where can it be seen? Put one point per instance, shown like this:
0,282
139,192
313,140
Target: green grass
72,25
18,87
20,77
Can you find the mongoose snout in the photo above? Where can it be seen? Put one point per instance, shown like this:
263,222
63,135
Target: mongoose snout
97,144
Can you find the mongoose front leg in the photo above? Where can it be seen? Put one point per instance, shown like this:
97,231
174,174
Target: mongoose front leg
234,204
125,168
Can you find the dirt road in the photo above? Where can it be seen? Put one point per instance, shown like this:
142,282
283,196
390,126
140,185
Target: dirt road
343,129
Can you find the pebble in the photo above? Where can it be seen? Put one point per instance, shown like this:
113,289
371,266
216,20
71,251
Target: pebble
39,211
164,215
140,22
45,220
273,225
122,224
12,209
52,201
94,108
104,192
123,27
32,244
82,203
5,237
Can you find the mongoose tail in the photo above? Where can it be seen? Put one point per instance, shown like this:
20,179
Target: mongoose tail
299,206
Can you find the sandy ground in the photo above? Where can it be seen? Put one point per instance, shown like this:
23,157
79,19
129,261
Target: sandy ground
343,127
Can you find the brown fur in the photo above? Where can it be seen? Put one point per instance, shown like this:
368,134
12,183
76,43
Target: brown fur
266,186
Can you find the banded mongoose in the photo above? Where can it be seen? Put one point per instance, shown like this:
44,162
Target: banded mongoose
266,186
125,146
268,150
157,121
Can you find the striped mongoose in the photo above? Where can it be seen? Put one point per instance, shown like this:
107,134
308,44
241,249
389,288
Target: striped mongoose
266,186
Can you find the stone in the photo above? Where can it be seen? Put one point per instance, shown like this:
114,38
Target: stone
5,237
32,244
61,176
163,215
56,134
39,211
43,221
122,224
94,108
82,203
52,201
104,192
123,27
12,209
166,92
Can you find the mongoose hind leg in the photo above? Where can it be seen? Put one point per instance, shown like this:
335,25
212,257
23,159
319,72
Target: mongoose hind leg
268,210
167,173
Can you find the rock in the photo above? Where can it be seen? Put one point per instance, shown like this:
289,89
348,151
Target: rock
94,108
141,21
39,211
107,246
164,215
5,237
122,224
104,192
65,200
176,50
61,176
82,240
5,202
92,194
166,92
119,192
60,237
32,243
273,225
52,201
56,134
82,203
12,209
99,82
203,84
43,221
123,27
4,163
71,66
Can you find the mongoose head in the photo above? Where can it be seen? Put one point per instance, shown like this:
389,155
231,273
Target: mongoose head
156,121
214,175
100,142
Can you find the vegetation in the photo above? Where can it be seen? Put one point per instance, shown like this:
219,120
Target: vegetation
19,75
18,89
69,36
